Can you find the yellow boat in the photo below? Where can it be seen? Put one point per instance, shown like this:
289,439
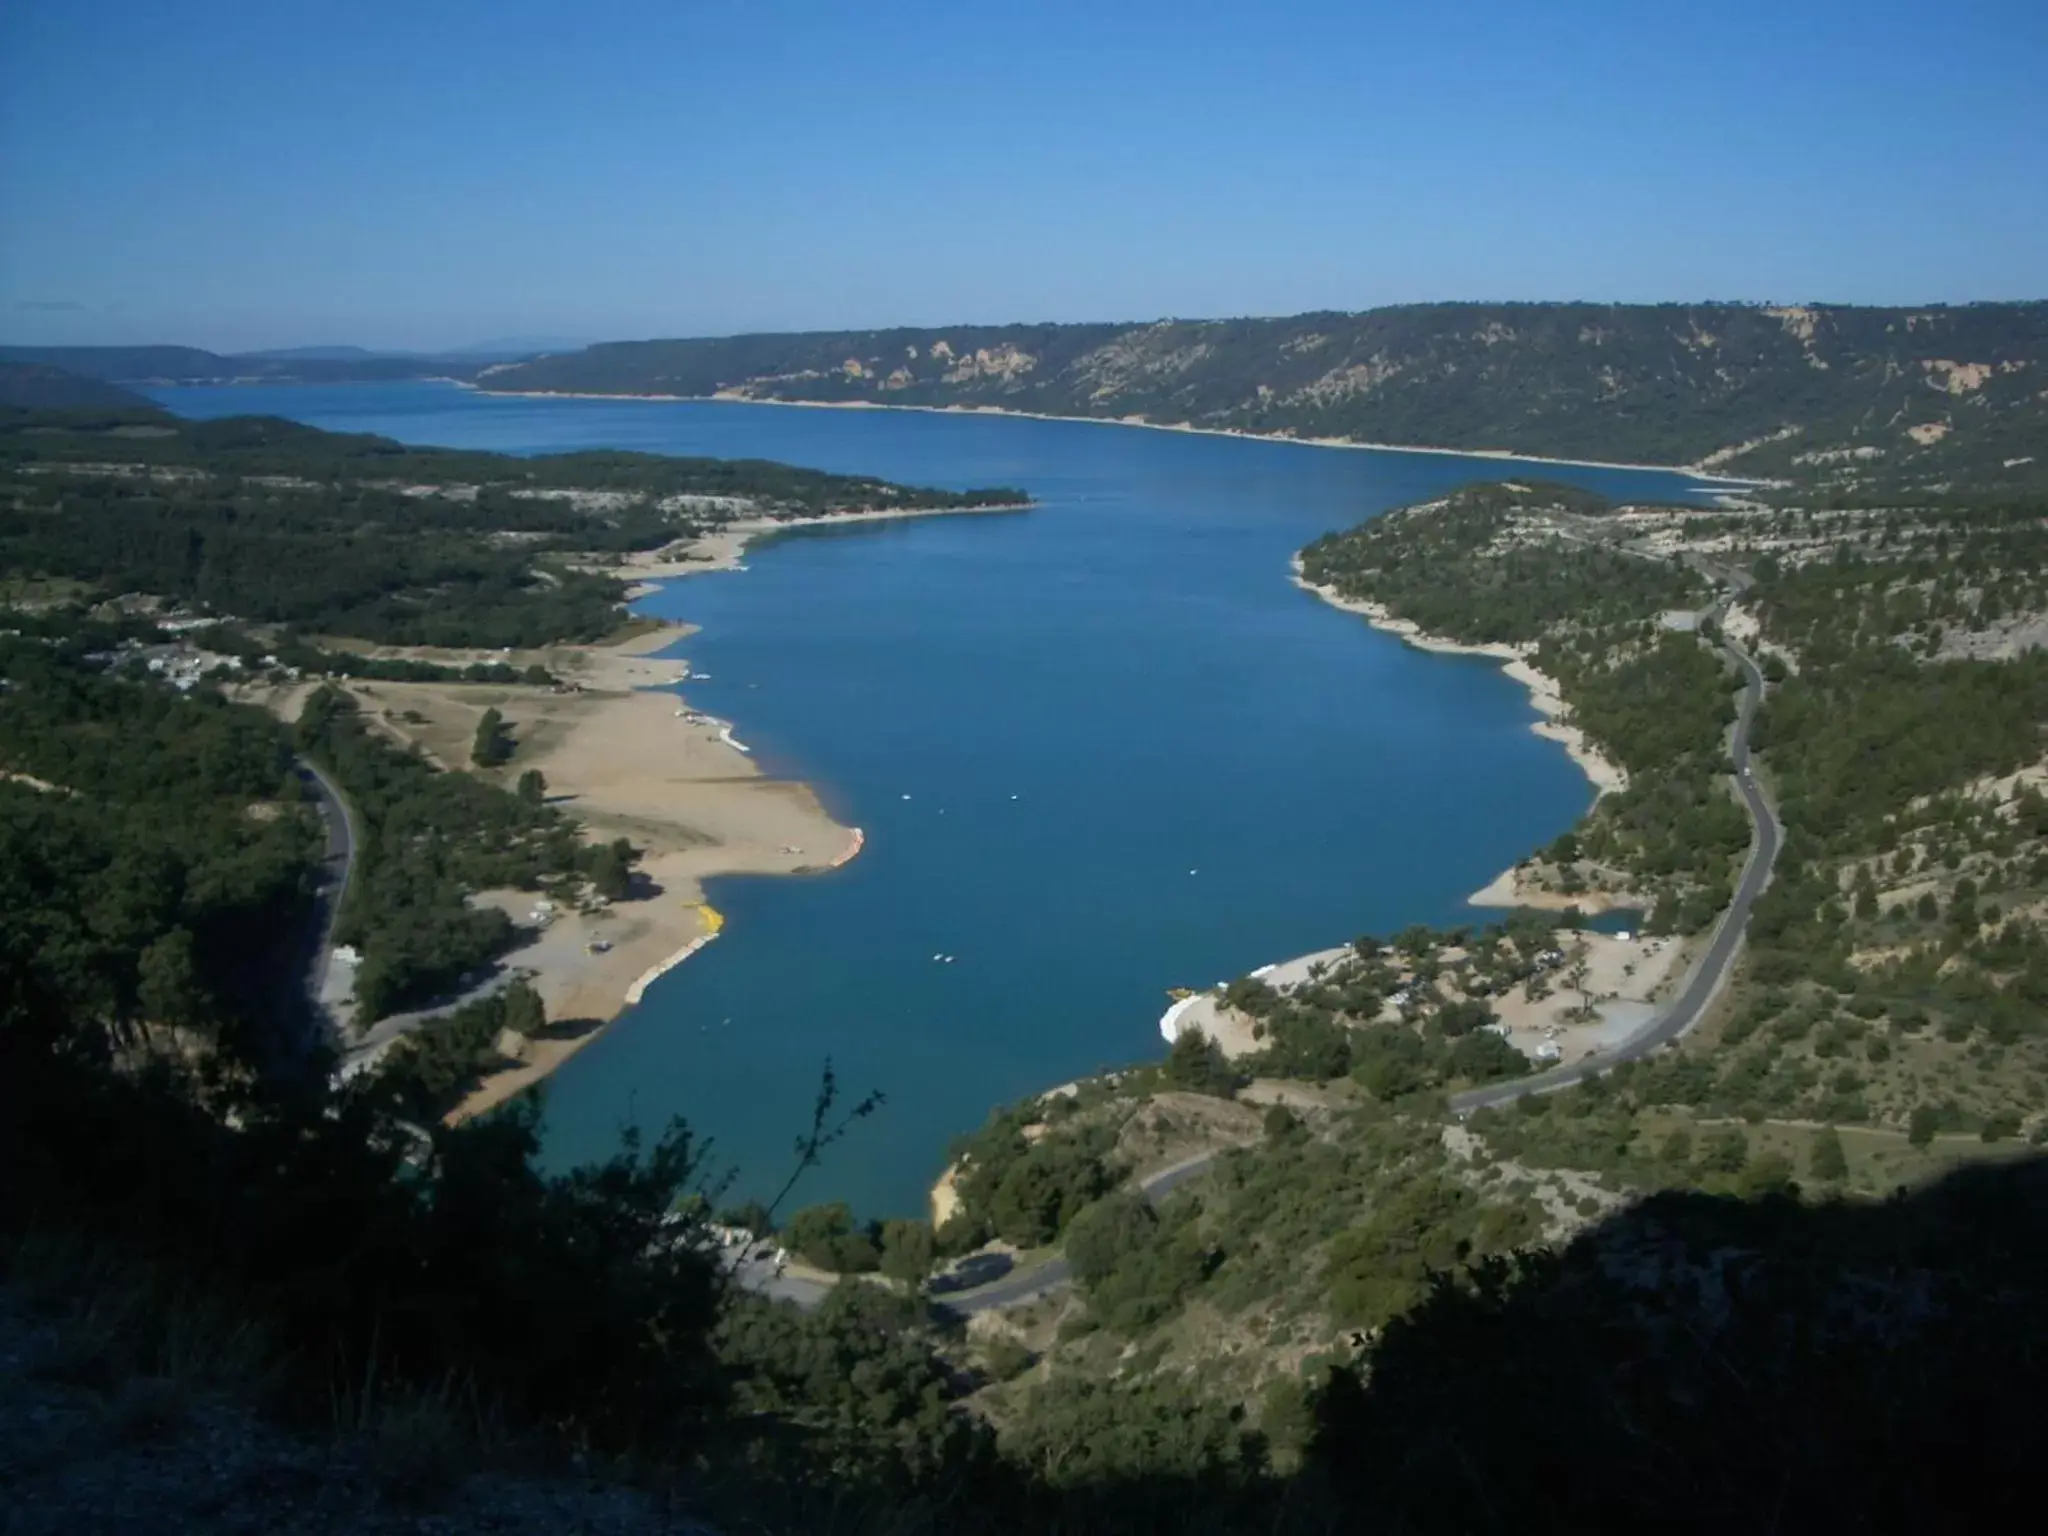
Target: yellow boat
1180,994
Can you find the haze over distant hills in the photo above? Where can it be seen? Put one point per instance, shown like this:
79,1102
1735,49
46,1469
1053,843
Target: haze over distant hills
38,386
1870,397
329,363
500,349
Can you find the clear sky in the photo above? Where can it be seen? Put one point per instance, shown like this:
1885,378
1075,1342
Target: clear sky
244,173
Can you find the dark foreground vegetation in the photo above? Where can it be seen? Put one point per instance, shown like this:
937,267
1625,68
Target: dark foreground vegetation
1684,1296
374,1268
1697,1363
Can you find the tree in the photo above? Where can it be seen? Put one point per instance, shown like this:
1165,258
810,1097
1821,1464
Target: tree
1725,1150
1999,1126
1390,1062
752,1216
533,787
1006,1357
1483,1056
1768,1173
1104,1234
524,1013
168,988
1198,1064
1922,1124
1825,1159
1575,977
611,869
824,1235
1041,1192
493,745
1676,1152
908,1249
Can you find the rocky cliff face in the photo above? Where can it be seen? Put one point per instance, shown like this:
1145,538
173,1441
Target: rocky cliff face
1913,394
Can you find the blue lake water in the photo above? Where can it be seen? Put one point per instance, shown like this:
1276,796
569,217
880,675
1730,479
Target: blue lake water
1135,756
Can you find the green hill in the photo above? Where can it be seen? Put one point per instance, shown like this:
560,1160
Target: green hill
1749,389
195,365
41,387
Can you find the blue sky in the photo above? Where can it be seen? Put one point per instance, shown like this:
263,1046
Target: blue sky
237,174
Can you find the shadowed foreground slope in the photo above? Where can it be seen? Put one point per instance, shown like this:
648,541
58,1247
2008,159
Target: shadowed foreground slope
1692,1364
1713,1365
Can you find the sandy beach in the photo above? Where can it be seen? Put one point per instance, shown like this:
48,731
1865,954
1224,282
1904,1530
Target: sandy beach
736,397
625,757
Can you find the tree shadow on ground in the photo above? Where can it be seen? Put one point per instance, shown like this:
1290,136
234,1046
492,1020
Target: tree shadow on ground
975,1269
1702,1363
567,1029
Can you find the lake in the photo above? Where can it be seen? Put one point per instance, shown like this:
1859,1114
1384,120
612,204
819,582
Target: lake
1100,749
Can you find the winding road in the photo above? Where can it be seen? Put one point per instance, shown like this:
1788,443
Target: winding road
1702,984
338,866
1710,971
1053,1273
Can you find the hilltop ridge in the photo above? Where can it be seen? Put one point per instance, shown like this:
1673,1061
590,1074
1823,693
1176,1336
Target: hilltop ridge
1814,391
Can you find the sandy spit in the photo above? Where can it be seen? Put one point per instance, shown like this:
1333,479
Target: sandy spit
627,757
725,547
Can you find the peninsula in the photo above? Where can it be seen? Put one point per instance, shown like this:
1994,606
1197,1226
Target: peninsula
532,806
1349,1194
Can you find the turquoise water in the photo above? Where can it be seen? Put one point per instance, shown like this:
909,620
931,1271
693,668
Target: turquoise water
1136,757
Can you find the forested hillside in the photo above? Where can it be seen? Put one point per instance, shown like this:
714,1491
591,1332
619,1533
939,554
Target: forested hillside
275,523
1689,1294
1807,390
195,365
40,387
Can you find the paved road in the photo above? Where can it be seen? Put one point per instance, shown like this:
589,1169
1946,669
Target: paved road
338,869
1708,974
1711,970
330,995
1053,1273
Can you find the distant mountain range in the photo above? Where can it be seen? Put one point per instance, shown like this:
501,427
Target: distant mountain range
309,365
1870,398
194,365
1908,395
40,387
502,350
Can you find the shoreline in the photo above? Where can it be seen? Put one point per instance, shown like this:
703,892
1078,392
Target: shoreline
617,743
631,665
724,548
1606,776
1504,455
